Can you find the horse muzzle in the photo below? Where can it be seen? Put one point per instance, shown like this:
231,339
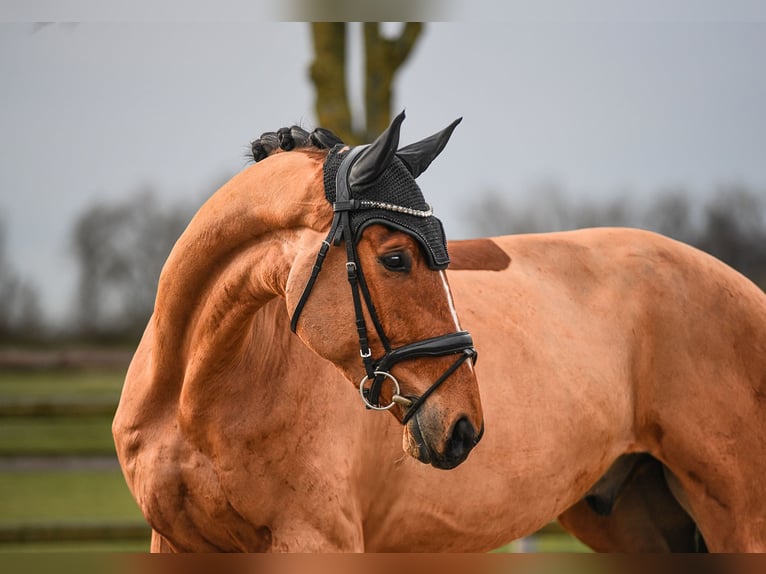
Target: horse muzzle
461,439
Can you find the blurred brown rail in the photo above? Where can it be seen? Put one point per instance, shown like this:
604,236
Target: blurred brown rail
58,407
42,463
74,531
74,358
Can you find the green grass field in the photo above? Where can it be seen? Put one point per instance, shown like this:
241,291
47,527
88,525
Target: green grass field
559,542
56,436
58,498
62,496
71,384
92,495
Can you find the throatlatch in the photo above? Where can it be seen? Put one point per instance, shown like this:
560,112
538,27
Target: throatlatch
384,180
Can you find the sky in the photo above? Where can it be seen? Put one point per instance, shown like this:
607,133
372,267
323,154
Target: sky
96,111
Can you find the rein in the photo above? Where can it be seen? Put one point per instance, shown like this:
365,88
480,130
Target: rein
378,371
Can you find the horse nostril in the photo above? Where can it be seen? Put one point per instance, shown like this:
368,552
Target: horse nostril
462,440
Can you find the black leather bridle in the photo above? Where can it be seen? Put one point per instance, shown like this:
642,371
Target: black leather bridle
378,370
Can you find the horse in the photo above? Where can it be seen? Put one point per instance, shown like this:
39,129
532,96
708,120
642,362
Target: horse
593,345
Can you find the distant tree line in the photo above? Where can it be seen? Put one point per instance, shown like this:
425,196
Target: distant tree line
119,247
20,315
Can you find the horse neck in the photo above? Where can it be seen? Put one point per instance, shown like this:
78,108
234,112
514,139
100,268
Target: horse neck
233,258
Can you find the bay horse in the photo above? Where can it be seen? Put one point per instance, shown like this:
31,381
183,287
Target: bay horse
593,344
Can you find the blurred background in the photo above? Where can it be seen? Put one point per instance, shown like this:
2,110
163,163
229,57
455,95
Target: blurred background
113,134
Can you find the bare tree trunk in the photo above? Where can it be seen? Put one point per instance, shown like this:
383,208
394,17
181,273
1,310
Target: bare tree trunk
383,58
328,72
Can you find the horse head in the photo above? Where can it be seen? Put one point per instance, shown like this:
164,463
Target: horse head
395,332
358,215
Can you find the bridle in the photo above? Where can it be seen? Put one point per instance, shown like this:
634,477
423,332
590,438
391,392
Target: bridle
378,370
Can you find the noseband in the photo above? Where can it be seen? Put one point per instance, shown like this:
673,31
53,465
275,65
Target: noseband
378,371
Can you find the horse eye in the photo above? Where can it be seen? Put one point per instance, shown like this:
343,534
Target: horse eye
396,261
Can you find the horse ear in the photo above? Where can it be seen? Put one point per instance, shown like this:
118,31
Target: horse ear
418,156
376,157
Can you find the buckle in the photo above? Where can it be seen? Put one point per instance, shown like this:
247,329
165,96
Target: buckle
349,205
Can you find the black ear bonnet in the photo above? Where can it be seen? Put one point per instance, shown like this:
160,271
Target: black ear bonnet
386,191
395,187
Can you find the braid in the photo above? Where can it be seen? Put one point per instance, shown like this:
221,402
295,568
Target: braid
287,139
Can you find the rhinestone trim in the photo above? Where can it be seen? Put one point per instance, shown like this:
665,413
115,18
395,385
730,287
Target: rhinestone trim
397,208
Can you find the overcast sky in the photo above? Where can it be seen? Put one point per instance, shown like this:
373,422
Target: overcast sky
94,111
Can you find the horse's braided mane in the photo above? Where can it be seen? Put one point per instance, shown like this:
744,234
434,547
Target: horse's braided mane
295,137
